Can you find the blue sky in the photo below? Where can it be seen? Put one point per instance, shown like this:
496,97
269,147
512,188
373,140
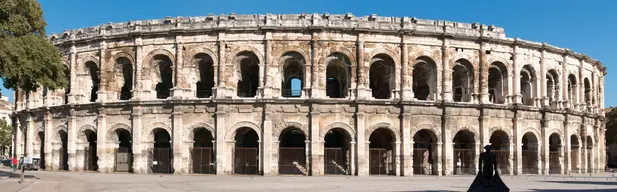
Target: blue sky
582,26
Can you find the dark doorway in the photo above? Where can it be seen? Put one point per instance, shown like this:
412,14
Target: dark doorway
530,153
161,154
554,154
202,154
90,157
124,152
206,75
41,138
248,74
337,153
501,147
64,154
246,152
292,152
164,65
464,153
381,153
424,162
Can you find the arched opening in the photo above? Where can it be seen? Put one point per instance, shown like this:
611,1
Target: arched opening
381,76
202,153
93,73
293,74
338,75
165,76
206,75
587,93
247,73
161,155
462,81
381,153
126,68
554,154
497,83
552,87
572,89
574,153
590,157
63,152
530,153
464,153
41,140
90,157
67,89
124,152
424,78
336,152
425,153
246,152
292,152
501,147
528,85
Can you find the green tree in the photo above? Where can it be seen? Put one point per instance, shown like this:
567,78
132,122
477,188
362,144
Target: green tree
611,127
27,59
5,136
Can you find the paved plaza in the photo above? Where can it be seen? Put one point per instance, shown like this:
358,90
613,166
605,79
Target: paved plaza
75,181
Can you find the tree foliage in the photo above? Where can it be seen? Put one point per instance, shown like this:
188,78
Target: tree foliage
5,133
27,59
611,127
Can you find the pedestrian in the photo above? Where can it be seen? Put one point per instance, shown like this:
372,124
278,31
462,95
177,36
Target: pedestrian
14,162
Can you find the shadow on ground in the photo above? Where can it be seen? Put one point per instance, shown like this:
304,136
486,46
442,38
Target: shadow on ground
584,182
577,190
11,174
6,163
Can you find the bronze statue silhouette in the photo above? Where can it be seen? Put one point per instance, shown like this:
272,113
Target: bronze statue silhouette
488,177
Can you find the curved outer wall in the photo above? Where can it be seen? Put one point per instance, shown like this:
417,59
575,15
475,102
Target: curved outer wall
417,104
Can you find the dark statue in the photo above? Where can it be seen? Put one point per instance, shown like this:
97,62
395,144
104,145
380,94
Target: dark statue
488,177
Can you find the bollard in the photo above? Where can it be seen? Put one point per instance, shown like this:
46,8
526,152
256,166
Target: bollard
22,175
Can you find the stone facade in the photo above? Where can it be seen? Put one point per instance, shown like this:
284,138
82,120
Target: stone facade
372,95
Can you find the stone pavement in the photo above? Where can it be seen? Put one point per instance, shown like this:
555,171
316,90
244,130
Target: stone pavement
77,181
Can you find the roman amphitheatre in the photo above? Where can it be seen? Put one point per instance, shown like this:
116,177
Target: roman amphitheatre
313,94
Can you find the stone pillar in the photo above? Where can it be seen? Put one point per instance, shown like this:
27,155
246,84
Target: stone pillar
104,152
476,158
397,158
438,156
545,144
177,90
407,145
511,159
517,97
362,145
362,91
316,145
268,144
139,153
138,87
29,140
448,147
178,144
584,162
562,167
352,157
224,148
546,100
406,93
483,75
19,140
72,139
47,123
447,73
267,73
72,69
102,94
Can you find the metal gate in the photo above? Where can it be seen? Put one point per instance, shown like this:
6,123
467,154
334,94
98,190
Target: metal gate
123,159
464,161
63,157
246,161
380,162
161,160
422,161
336,161
90,159
292,160
202,160
502,160
530,161
554,162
